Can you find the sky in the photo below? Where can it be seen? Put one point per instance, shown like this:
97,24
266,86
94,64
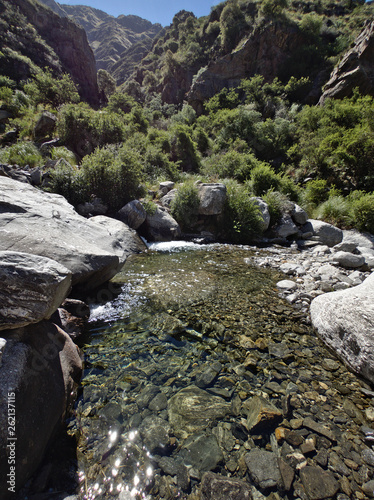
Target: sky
156,11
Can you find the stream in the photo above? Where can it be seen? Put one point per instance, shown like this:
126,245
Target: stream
172,362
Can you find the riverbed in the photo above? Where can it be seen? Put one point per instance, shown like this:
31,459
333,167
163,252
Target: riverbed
172,364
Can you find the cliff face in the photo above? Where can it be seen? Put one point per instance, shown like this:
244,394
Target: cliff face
69,50
265,52
110,37
356,68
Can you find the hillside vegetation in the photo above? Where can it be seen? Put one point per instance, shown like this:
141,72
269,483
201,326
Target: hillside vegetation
260,137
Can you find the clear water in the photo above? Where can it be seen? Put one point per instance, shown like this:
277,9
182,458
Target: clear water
181,309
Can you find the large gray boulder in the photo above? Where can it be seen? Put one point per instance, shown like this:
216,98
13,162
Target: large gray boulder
324,233
45,224
133,214
31,289
345,322
212,198
39,373
161,226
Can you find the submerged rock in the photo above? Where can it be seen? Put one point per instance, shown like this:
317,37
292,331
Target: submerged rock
263,468
217,487
345,322
191,409
261,414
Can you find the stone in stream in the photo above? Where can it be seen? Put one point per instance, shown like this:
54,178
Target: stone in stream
133,214
348,260
160,226
212,198
318,484
155,433
262,416
324,233
192,409
217,487
202,452
263,468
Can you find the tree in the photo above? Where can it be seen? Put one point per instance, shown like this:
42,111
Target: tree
106,83
45,88
273,8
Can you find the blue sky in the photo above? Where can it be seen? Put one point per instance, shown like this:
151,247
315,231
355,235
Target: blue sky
156,11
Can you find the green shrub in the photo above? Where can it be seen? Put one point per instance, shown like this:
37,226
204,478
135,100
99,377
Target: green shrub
263,178
68,181
45,88
363,213
232,164
336,210
185,206
184,149
157,164
22,153
61,152
112,174
315,193
278,203
82,129
242,219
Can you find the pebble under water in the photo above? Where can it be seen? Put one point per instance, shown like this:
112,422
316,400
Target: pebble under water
172,365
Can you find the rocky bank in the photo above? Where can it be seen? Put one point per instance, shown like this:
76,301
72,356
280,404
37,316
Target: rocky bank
46,250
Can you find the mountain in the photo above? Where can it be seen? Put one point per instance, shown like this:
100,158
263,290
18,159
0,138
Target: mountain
195,58
111,37
34,37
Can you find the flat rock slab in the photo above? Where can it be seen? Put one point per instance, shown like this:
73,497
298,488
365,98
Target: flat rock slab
192,409
32,288
45,224
345,322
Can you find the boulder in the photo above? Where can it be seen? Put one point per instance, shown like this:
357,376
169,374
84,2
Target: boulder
286,227
161,226
45,126
94,207
133,214
224,488
46,224
165,187
264,209
212,198
167,200
348,260
345,322
357,239
32,288
324,233
40,370
191,409
298,214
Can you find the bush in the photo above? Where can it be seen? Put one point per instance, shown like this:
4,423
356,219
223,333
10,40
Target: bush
232,164
336,210
185,205
264,178
242,219
22,153
47,89
315,193
278,203
62,152
112,174
363,213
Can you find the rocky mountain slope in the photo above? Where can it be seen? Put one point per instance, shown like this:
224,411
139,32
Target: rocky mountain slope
195,58
111,37
34,37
